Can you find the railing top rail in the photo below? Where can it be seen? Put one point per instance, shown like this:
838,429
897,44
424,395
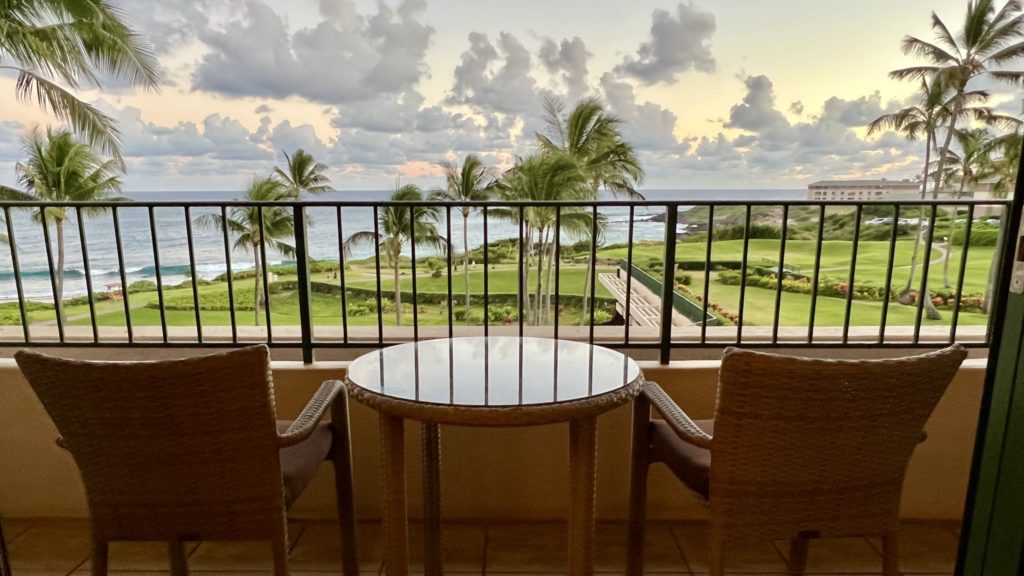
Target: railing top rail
499,203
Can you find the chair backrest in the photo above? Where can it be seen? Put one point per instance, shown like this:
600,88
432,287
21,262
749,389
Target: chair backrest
818,446
169,449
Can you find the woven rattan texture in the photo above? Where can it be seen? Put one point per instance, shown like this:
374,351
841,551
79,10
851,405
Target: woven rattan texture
818,445
170,449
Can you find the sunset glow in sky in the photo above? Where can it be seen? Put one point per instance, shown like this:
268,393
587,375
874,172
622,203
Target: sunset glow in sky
739,94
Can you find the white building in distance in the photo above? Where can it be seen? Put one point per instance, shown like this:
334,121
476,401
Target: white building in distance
862,190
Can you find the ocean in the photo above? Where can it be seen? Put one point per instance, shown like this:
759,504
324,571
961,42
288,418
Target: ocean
209,244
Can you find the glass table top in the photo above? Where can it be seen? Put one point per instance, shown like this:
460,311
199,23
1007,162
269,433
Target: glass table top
493,371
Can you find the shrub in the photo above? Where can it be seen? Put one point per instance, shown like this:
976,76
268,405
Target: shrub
602,317
142,286
683,278
980,236
735,232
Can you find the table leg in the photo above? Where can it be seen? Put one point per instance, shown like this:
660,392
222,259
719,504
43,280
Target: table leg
433,556
396,526
583,483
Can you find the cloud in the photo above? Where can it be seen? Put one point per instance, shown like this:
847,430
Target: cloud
757,112
647,126
676,45
263,109
370,55
797,108
567,61
508,89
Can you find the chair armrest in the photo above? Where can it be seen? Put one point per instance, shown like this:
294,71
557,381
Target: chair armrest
311,415
675,417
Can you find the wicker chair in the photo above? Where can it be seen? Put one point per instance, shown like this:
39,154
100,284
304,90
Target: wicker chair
186,450
799,448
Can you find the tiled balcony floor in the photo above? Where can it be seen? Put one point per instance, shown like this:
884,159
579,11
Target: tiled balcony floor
61,547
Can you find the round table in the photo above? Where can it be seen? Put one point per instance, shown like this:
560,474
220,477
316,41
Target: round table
488,381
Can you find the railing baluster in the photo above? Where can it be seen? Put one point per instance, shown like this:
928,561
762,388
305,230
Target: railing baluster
558,264
155,244
924,292
629,274
124,278
743,275
853,272
958,299
593,270
303,282
376,260
341,278
668,286
16,270
412,255
487,295
817,272
781,273
448,255
57,296
707,274
230,274
192,272
265,275
888,272
524,290
87,269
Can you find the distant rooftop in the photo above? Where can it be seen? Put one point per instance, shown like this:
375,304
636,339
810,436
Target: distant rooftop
883,183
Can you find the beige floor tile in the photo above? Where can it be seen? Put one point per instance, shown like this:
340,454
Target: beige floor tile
927,547
140,556
527,548
51,545
463,547
246,556
839,556
661,555
740,557
319,548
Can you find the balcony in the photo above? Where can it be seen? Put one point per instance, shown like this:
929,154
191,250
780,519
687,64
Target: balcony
836,295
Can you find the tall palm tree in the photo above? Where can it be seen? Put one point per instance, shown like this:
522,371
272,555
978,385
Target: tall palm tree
591,137
989,41
472,182
922,119
61,169
966,166
73,42
278,226
399,226
544,178
1001,164
303,174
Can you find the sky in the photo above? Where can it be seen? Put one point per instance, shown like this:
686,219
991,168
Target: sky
713,94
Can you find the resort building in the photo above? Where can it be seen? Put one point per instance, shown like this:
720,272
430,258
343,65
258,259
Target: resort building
861,189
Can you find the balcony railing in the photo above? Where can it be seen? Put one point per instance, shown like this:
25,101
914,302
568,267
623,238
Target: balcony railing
665,274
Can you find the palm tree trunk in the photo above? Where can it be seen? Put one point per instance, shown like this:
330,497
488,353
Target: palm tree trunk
952,231
904,296
586,283
60,272
943,153
398,294
524,292
993,267
540,269
256,287
465,259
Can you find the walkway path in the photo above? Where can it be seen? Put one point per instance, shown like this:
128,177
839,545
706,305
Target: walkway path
644,305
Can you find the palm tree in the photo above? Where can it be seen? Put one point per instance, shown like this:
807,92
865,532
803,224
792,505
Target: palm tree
544,178
472,182
913,122
61,169
1001,163
989,41
590,136
399,226
244,222
303,174
966,167
73,42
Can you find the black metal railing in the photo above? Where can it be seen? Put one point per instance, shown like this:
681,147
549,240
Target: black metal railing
726,259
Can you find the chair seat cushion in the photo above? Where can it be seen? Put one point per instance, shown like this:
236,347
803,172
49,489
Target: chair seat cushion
691,464
299,462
